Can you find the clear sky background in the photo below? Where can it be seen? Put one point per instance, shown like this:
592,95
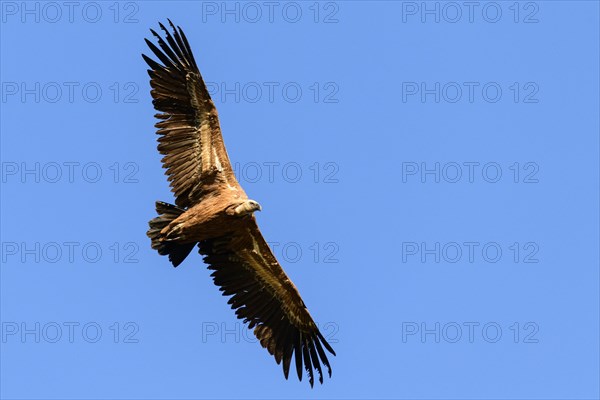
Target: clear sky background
429,180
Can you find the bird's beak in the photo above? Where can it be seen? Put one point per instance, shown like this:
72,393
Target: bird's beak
259,208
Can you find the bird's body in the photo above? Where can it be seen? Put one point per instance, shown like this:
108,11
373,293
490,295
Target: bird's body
206,219
212,211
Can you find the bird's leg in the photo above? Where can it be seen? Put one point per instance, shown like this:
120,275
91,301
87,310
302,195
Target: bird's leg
173,233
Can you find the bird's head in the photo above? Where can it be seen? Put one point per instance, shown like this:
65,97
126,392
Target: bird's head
252,206
247,207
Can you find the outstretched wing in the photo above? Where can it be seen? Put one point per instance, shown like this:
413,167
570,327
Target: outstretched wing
190,135
263,296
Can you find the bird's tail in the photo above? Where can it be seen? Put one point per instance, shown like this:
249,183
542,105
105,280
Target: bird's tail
177,252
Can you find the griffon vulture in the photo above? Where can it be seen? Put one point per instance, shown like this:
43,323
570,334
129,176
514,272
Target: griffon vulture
212,210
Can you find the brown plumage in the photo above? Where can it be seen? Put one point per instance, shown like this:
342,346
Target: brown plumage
213,211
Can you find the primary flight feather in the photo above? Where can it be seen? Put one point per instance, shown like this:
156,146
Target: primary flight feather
212,211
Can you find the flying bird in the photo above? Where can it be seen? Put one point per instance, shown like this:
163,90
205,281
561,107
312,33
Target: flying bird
212,211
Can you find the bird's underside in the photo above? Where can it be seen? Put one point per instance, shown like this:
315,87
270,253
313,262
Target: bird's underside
213,212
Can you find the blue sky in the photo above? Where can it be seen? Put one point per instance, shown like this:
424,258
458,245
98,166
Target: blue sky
428,174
